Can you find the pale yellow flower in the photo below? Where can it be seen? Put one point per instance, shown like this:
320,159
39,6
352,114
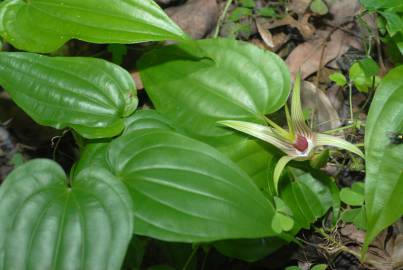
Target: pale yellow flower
298,142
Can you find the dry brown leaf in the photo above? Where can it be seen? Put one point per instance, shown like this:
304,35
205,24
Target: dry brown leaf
196,17
304,27
343,11
137,80
313,98
299,6
352,233
265,34
307,56
397,252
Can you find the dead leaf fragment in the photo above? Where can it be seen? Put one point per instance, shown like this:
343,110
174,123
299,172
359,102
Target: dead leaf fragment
343,11
265,34
313,98
196,17
308,56
137,80
299,6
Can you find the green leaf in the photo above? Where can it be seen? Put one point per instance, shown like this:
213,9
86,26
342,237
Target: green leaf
117,51
267,12
247,3
44,224
381,4
239,13
358,77
394,22
45,25
282,220
93,155
87,94
355,216
307,197
144,119
384,160
369,66
320,160
184,190
319,7
353,196
255,157
249,250
292,268
319,267
242,82
338,78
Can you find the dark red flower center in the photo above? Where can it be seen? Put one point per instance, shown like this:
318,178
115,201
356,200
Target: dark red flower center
301,143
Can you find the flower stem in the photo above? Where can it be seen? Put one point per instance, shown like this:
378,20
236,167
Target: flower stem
221,19
350,97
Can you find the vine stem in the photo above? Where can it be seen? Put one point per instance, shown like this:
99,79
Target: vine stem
190,258
221,19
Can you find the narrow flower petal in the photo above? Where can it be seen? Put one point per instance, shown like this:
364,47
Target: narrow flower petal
324,139
289,122
264,133
279,130
279,169
297,115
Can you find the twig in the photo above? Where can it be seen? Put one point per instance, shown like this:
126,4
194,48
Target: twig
221,19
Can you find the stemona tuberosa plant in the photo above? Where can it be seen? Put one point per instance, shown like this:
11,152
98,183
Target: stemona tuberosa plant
298,142
169,173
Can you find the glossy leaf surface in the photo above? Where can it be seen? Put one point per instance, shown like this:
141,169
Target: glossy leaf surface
256,158
235,81
184,190
86,94
45,25
384,159
144,119
308,198
44,224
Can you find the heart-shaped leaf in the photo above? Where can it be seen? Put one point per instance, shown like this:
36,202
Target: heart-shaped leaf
256,158
184,190
44,224
236,81
45,25
384,159
144,119
309,198
87,94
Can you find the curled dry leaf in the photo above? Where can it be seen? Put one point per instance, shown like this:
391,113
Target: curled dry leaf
270,42
313,98
265,34
197,17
